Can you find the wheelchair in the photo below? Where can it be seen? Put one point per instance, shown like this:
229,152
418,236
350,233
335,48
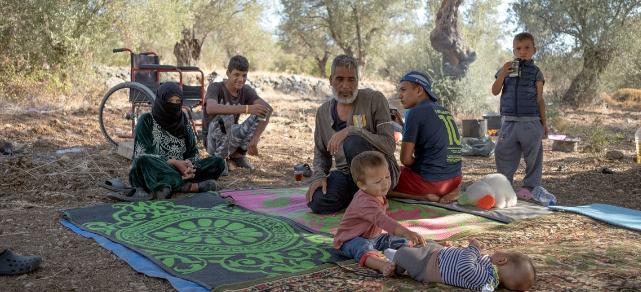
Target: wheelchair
124,103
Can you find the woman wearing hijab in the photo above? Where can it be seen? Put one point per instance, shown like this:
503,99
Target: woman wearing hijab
165,156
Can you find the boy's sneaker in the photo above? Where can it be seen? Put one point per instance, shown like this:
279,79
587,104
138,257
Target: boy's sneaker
544,197
242,162
226,170
524,194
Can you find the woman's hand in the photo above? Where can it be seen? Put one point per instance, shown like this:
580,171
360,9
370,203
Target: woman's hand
185,167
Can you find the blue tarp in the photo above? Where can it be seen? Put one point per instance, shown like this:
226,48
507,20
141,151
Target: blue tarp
619,216
137,261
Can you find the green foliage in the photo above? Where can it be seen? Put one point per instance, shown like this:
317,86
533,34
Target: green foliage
479,28
625,69
302,32
596,137
51,47
44,43
592,28
317,28
145,26
41,34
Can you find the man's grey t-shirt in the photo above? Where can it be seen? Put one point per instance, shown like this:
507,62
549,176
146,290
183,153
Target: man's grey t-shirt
247,96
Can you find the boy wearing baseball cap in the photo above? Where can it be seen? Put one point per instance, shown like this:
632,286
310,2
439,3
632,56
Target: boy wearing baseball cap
431,145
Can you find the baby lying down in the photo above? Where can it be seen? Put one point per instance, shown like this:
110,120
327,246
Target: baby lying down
465,267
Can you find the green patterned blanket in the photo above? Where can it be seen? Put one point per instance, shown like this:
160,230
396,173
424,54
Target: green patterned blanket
204,239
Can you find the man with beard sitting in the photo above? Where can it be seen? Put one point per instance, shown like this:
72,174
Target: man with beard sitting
353,121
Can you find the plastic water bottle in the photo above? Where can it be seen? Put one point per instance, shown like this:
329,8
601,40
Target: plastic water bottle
637,142
389,254
544,197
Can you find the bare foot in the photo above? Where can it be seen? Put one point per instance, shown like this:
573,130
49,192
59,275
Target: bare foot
451,197
432,197
389,269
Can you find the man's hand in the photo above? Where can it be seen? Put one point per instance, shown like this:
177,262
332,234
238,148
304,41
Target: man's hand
545,132
258,109
336,141
320,183
252,148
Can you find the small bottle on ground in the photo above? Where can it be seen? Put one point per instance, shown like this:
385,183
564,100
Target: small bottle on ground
637,142
544,197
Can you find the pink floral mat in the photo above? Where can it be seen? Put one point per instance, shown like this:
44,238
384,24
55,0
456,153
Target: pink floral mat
433,223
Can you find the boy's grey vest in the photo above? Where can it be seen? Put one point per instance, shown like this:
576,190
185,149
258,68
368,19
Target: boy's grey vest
519,93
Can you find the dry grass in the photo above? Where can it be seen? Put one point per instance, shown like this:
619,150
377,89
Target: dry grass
627,98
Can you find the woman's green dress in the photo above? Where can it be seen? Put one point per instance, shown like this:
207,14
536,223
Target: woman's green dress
153,146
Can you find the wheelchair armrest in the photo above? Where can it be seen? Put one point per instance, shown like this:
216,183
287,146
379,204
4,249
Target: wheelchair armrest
188,68
156,67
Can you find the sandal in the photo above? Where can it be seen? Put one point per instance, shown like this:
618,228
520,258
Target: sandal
203,186
162,194
209,185
13,264
131,195
116,185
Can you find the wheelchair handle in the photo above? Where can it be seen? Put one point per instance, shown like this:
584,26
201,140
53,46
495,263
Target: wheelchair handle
118,50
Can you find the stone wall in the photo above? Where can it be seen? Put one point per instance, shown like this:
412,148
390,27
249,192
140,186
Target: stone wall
290,84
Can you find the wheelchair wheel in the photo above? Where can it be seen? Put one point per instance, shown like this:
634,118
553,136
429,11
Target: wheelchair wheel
120,108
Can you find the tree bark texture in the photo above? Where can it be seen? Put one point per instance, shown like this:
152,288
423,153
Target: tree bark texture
445,38
187,51
322,64
583,89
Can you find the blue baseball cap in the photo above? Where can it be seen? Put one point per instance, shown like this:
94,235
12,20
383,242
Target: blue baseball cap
422,80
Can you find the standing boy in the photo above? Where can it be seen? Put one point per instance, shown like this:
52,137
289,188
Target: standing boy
523,116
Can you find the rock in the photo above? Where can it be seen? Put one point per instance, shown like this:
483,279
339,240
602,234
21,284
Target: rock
6,148
614,155
113,81
64,158
606,170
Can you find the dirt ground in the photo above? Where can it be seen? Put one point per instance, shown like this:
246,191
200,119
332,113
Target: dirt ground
571,252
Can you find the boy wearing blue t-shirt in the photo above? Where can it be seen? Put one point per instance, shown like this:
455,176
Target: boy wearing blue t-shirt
431,145
523,116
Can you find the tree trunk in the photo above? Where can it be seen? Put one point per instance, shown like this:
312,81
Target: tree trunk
322,64
359,37
583,89
445,38
187,51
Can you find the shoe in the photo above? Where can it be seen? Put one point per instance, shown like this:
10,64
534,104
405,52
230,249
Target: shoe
209,185
226,170
13,264
242,162
524,194
162,194
131,195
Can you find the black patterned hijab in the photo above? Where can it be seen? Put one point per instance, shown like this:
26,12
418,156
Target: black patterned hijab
168,115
